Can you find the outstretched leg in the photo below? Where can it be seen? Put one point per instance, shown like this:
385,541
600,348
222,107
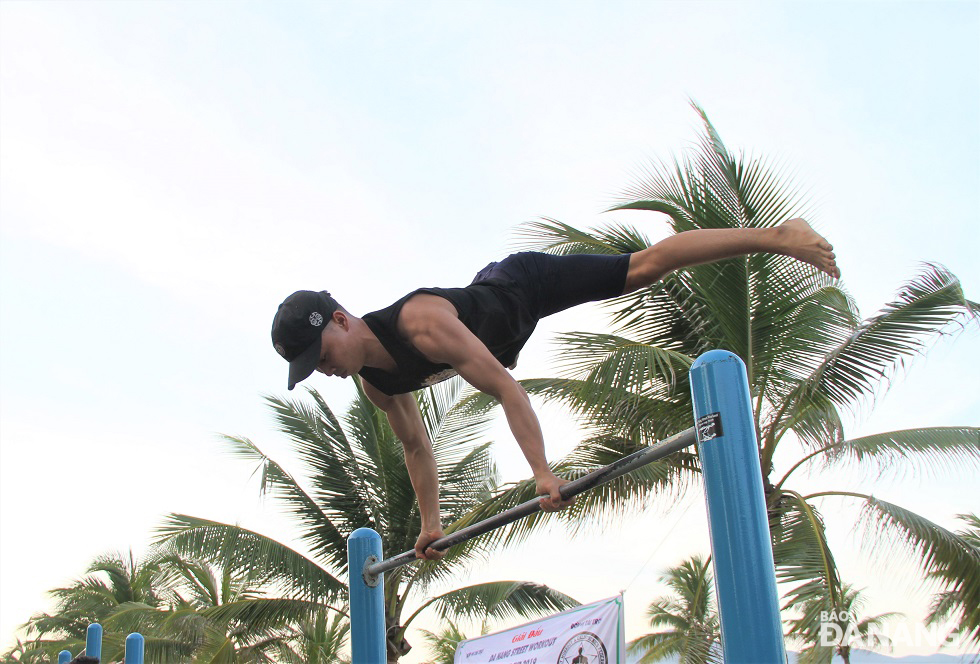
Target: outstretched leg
792,238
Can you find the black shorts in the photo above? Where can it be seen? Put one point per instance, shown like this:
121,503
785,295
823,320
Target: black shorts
553,283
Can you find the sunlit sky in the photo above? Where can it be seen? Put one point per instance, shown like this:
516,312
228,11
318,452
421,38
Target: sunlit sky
169,171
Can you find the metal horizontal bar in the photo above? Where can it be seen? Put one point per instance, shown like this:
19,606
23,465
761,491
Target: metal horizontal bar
627,464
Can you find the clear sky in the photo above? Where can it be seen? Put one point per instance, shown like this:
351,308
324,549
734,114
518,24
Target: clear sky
169,171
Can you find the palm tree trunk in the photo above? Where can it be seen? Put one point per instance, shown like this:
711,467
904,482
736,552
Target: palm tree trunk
397,646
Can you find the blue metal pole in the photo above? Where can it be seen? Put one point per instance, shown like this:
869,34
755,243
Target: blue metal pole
93,641
64,657
367,604
134,648
740,542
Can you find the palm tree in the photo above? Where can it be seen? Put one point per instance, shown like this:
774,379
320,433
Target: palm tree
357,477
810,357
203,614
692,630
112,581
179,605
954,603
319,640
812,627
443,644
29,652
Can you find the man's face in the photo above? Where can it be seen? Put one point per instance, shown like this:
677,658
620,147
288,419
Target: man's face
338,352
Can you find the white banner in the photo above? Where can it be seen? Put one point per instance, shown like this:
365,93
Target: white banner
588,634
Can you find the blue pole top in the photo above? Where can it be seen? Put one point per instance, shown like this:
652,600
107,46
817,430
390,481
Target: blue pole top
716,355
134,648
93,641
364,534
64,657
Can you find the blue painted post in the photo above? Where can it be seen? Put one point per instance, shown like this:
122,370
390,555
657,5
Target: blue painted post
367,605
64,657
134,649
745,579
93,641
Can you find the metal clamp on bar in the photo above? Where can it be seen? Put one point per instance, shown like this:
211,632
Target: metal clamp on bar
370,580
627,464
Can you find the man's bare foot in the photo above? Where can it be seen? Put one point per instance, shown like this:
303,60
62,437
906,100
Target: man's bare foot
798,239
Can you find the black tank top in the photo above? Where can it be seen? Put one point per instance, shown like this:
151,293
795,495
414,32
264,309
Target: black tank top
493,310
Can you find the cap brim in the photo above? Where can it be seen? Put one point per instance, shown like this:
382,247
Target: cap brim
305,363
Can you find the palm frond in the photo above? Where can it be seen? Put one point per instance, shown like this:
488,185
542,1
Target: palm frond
347,466
737,303
262,614
383,484
467,473
885,343
316,527
317,641
443,644
957,602
452,430
606,363
801,553
501,600
660,646
816,613
555,237
943,555
710,187
599,507
935,450
691,583
803,323
817,424
624,413
249,551
692,628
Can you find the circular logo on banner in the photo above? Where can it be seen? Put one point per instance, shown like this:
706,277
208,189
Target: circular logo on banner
583,648
316,319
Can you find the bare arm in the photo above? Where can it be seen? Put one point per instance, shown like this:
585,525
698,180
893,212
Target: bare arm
431,325
406,421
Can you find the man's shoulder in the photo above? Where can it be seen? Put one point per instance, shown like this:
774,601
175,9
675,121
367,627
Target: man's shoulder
394,306
397,306
427,301
415,315
425,311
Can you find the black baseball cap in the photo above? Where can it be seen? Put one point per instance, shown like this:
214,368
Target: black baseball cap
296,331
